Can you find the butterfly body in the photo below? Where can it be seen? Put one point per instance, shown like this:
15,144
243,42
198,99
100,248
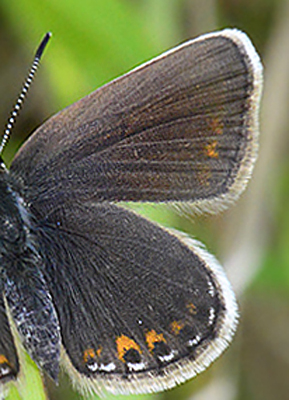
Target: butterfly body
22,280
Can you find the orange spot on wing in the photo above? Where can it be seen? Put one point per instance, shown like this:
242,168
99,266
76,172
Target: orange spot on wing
88,354
3,359
152,337
98,351
177,326
124,343
211,150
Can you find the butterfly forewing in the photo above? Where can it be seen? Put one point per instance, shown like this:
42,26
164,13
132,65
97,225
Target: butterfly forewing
175,129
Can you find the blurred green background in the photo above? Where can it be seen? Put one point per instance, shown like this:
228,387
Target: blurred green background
97,40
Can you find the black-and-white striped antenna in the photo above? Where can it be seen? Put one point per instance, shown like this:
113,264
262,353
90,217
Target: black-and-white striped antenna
26,86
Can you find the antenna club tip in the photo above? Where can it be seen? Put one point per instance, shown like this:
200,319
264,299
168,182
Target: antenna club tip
42,45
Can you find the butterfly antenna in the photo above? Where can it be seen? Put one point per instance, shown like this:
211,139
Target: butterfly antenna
24,91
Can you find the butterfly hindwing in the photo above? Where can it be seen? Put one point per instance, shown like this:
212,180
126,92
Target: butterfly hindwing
132,299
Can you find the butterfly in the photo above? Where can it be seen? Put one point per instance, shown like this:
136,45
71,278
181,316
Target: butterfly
120,302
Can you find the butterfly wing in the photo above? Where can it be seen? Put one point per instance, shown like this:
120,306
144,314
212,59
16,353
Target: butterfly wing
139,309
182,127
